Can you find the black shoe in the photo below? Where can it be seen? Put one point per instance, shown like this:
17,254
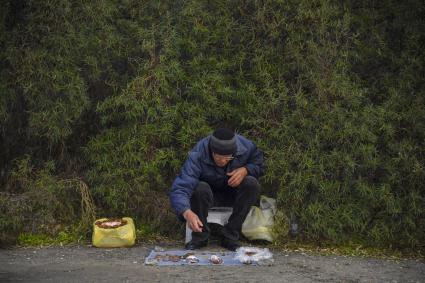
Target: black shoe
194,245
229,244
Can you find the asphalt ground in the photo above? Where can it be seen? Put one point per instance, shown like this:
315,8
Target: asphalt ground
90,264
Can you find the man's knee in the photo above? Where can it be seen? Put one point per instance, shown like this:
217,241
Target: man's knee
250,182
250,187
203,191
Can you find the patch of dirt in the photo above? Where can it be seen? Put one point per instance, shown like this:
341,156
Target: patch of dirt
89,264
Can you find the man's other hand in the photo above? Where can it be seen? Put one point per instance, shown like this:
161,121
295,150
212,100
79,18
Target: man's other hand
193,221
237,176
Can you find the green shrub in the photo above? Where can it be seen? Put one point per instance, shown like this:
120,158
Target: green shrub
43,204
118,93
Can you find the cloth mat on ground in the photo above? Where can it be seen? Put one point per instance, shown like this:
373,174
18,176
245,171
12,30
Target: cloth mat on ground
178,257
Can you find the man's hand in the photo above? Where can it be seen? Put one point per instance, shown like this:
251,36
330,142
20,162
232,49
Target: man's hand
237,176
193,221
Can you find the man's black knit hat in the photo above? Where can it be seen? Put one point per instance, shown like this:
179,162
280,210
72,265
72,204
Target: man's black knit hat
223,141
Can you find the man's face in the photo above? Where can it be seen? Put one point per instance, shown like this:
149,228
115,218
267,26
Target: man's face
222,160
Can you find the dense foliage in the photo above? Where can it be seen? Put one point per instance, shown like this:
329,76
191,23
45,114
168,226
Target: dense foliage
117,92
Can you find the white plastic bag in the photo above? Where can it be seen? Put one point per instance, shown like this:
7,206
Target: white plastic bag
259,221
250,255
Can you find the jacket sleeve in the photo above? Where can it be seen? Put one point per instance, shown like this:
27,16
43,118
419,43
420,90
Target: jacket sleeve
184,185
255,164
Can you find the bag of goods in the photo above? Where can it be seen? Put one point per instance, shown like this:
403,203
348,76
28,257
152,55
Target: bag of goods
114,232
259,221
253,255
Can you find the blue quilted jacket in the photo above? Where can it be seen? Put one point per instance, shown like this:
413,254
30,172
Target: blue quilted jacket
200,166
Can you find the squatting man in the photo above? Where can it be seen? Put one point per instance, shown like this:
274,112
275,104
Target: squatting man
221,170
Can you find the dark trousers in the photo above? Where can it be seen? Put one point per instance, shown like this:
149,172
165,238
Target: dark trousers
240,198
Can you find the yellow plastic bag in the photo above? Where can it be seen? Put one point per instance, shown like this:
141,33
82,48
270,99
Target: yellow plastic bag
259,221
123,236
